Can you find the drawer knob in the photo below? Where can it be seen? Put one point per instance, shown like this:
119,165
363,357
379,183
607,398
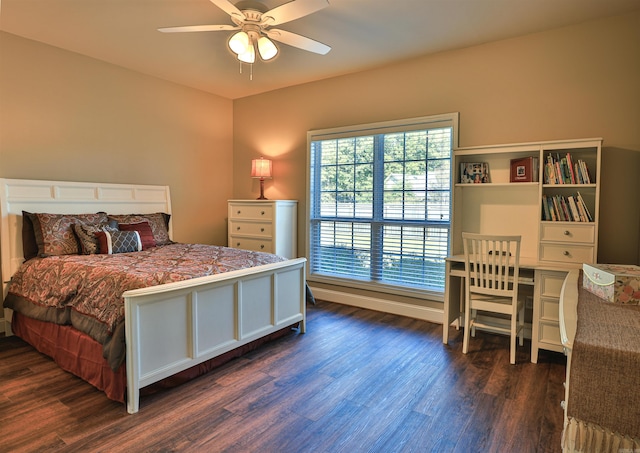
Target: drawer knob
566,253
237,228
237,244
261,246
567,232
261,212
238,212
262,230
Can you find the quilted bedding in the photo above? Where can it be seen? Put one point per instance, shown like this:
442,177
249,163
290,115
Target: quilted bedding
85,291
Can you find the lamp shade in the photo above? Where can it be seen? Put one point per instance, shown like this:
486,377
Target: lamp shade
261,168
249,56
239,43
266,48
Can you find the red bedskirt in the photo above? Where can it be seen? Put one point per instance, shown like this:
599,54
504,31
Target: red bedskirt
81,355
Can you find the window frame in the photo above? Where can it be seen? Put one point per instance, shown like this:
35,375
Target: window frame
386,127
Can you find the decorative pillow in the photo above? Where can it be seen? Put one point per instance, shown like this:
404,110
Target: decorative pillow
54,234
118,242
159,223
29,244
86,235
146,235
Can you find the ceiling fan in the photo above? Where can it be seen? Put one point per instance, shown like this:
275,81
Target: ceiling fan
254,23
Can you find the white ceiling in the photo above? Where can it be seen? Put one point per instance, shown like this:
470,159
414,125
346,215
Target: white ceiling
363,34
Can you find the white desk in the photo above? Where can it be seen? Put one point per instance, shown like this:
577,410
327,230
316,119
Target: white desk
547,280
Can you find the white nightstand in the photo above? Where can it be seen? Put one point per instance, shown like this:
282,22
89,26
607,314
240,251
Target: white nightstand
264,225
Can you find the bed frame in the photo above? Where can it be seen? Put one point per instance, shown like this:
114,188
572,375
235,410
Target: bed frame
170,327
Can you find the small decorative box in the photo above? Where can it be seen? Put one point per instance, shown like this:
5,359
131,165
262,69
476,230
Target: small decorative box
617,283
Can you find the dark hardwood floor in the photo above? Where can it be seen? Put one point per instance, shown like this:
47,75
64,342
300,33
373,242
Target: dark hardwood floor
357,381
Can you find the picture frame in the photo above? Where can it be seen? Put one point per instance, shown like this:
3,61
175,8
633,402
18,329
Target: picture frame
474,172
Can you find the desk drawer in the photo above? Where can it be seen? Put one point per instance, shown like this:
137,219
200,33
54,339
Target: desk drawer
564,232
566,253
550,310
549,335
551,283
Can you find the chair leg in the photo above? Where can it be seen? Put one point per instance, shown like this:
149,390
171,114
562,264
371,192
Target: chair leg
512,348
467,326
522,307
474,313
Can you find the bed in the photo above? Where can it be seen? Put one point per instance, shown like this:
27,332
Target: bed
602,341
171,328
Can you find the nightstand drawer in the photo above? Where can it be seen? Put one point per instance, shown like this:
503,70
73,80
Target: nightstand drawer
237,227
251,211
568,233
566,253
258,245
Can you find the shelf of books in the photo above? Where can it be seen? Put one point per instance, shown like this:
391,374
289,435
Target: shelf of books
569,185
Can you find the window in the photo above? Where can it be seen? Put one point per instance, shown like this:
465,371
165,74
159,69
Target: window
379,203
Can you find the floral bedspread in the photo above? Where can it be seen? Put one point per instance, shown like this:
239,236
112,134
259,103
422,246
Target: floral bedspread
86,290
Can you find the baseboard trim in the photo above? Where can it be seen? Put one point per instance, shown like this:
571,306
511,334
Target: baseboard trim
373,303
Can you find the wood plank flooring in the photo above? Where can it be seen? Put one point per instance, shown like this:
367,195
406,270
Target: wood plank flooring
357,381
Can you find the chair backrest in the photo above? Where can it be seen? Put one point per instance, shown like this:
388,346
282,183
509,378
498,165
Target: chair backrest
492,263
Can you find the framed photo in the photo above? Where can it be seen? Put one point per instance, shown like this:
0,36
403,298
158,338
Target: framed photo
524,170
474,172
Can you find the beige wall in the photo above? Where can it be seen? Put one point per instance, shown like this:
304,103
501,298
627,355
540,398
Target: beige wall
68,117
576,82
65,116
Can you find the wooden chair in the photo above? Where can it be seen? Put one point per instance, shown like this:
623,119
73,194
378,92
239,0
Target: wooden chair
491,285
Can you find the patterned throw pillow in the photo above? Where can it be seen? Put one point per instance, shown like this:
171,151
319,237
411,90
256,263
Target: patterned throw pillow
54,234
118,242
146,234
87,236
159,223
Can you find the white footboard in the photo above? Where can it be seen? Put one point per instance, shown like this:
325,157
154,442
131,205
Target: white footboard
172,327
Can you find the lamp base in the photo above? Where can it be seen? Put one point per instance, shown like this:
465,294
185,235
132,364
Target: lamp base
261,197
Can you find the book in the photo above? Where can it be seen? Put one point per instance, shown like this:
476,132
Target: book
474,172
524,169
586,209
572,175
574,209
545,208
565,170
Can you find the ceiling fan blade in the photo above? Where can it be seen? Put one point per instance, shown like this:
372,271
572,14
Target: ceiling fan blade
299,41
192,28
229,8
292,10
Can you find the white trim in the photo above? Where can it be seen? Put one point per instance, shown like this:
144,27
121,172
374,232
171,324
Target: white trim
434,315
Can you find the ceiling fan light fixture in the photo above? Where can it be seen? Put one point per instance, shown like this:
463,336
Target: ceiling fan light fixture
249,56
266,48
239,43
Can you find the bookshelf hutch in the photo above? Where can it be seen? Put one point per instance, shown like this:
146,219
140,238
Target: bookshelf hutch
551,246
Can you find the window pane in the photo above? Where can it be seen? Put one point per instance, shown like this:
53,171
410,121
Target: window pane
414,256
343,249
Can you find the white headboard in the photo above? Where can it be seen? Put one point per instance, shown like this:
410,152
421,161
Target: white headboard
65,197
